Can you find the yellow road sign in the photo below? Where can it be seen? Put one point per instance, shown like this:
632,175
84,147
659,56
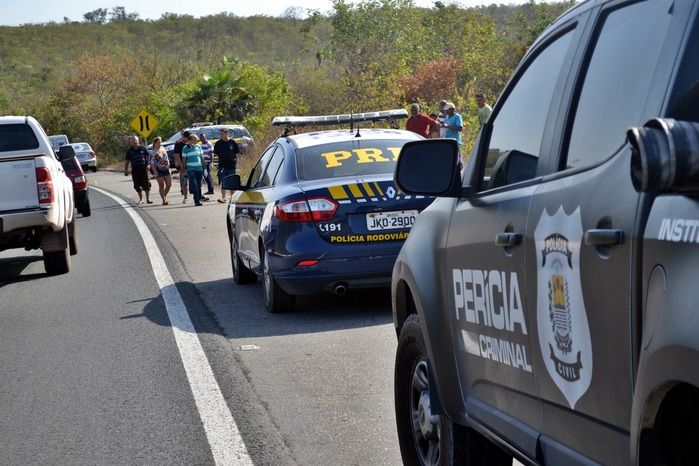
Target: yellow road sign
144,123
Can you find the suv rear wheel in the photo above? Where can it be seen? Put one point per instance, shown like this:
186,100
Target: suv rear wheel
428,439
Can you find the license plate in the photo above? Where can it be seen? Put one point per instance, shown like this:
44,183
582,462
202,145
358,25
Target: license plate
390,220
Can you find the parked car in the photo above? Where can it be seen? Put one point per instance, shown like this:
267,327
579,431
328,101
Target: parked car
36,196
86,156
77,176
319,211
545,303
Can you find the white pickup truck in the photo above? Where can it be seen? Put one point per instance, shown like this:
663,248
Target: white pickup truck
36,196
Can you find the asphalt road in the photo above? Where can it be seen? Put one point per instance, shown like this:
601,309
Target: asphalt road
92,373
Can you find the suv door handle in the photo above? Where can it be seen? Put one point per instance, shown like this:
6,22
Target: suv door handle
508,239
604,237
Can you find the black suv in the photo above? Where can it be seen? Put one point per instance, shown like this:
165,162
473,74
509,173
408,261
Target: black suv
545,304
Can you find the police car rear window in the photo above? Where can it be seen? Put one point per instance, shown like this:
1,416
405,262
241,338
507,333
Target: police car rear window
18,136
348,158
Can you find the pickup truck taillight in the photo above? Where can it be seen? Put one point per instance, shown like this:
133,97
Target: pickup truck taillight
44,185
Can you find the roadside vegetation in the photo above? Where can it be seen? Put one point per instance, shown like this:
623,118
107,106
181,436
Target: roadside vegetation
88,78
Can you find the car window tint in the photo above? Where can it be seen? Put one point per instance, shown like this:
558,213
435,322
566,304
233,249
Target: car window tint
257,172
518,125
80,147
69,164
237,132
348,158
617,80
272,167
279,171
173,138
17,137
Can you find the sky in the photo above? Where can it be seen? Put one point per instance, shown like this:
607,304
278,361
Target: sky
42,11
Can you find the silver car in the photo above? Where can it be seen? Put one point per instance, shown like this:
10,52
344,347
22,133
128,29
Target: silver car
85,155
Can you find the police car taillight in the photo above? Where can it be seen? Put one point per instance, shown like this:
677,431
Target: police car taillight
302,210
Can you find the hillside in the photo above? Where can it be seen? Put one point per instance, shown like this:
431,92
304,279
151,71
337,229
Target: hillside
87,79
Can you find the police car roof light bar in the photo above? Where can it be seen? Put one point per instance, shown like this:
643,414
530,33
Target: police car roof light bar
290,122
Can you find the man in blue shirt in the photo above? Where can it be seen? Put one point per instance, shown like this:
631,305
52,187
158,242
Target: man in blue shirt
453,123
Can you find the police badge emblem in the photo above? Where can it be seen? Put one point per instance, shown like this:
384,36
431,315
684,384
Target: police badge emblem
564,333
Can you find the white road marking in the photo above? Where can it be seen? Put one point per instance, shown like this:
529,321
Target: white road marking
222,432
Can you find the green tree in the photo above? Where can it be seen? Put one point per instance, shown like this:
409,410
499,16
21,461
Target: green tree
98,16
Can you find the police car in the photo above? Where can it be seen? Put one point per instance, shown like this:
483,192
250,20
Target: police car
319,211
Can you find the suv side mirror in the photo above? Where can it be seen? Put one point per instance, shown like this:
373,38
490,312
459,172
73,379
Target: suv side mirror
429,167
65,153
665,156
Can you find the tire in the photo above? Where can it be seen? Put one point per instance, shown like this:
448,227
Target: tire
276,299
241,274
57,263
428,439
93,168
85,208
73,237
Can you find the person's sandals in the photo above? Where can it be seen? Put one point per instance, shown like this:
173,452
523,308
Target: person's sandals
140,202
149,201
222,201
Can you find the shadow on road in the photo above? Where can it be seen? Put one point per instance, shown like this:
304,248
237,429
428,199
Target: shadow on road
11,269
239,311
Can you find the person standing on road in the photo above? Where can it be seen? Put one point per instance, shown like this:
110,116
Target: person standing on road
208,150
177,153
193,160
420,123
441,117
484,110
138,157
227,151
161,164
453,123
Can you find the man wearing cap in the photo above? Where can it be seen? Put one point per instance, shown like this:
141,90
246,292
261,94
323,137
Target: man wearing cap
419,122
453,123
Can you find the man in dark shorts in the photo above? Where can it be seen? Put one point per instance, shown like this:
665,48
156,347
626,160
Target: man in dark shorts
227,151
177,153
138,156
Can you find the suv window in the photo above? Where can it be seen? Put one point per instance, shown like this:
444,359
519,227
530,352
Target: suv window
18,136
617,80
518,127
256,173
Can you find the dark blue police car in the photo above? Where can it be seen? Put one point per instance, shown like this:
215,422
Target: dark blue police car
320,212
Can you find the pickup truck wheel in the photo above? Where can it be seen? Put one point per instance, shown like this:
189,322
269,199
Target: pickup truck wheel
73,237
428,439
276,299
85,208
57,262
241,274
